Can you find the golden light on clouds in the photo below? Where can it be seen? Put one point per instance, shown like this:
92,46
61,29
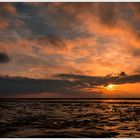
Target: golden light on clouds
111,87
100,54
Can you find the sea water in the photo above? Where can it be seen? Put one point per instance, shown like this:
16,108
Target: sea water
59,118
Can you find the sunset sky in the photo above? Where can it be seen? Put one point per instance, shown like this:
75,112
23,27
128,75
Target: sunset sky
70,50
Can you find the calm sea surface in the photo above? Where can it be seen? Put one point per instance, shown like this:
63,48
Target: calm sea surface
69,118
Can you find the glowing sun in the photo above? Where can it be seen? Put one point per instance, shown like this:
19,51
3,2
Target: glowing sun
110,87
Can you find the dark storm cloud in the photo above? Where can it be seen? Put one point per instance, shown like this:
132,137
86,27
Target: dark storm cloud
107,14
4,58
54,41
32,20
91,81
62,83
12,86
122,74
42,20
29,15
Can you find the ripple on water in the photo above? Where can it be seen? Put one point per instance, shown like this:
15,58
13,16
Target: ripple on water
69,119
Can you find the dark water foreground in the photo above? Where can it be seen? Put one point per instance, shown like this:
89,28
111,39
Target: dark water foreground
69,118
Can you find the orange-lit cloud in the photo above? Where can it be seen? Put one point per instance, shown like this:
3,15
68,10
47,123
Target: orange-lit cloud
94,43
44,39
7,8
3,25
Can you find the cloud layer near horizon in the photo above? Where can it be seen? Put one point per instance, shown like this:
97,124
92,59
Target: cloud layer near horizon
66,85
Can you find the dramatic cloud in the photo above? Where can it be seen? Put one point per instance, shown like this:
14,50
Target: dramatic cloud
7,8
3,25
93,81
108,14
18,86
45,39
4,58
67,84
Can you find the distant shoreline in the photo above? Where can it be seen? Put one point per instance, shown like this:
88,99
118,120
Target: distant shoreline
70,98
